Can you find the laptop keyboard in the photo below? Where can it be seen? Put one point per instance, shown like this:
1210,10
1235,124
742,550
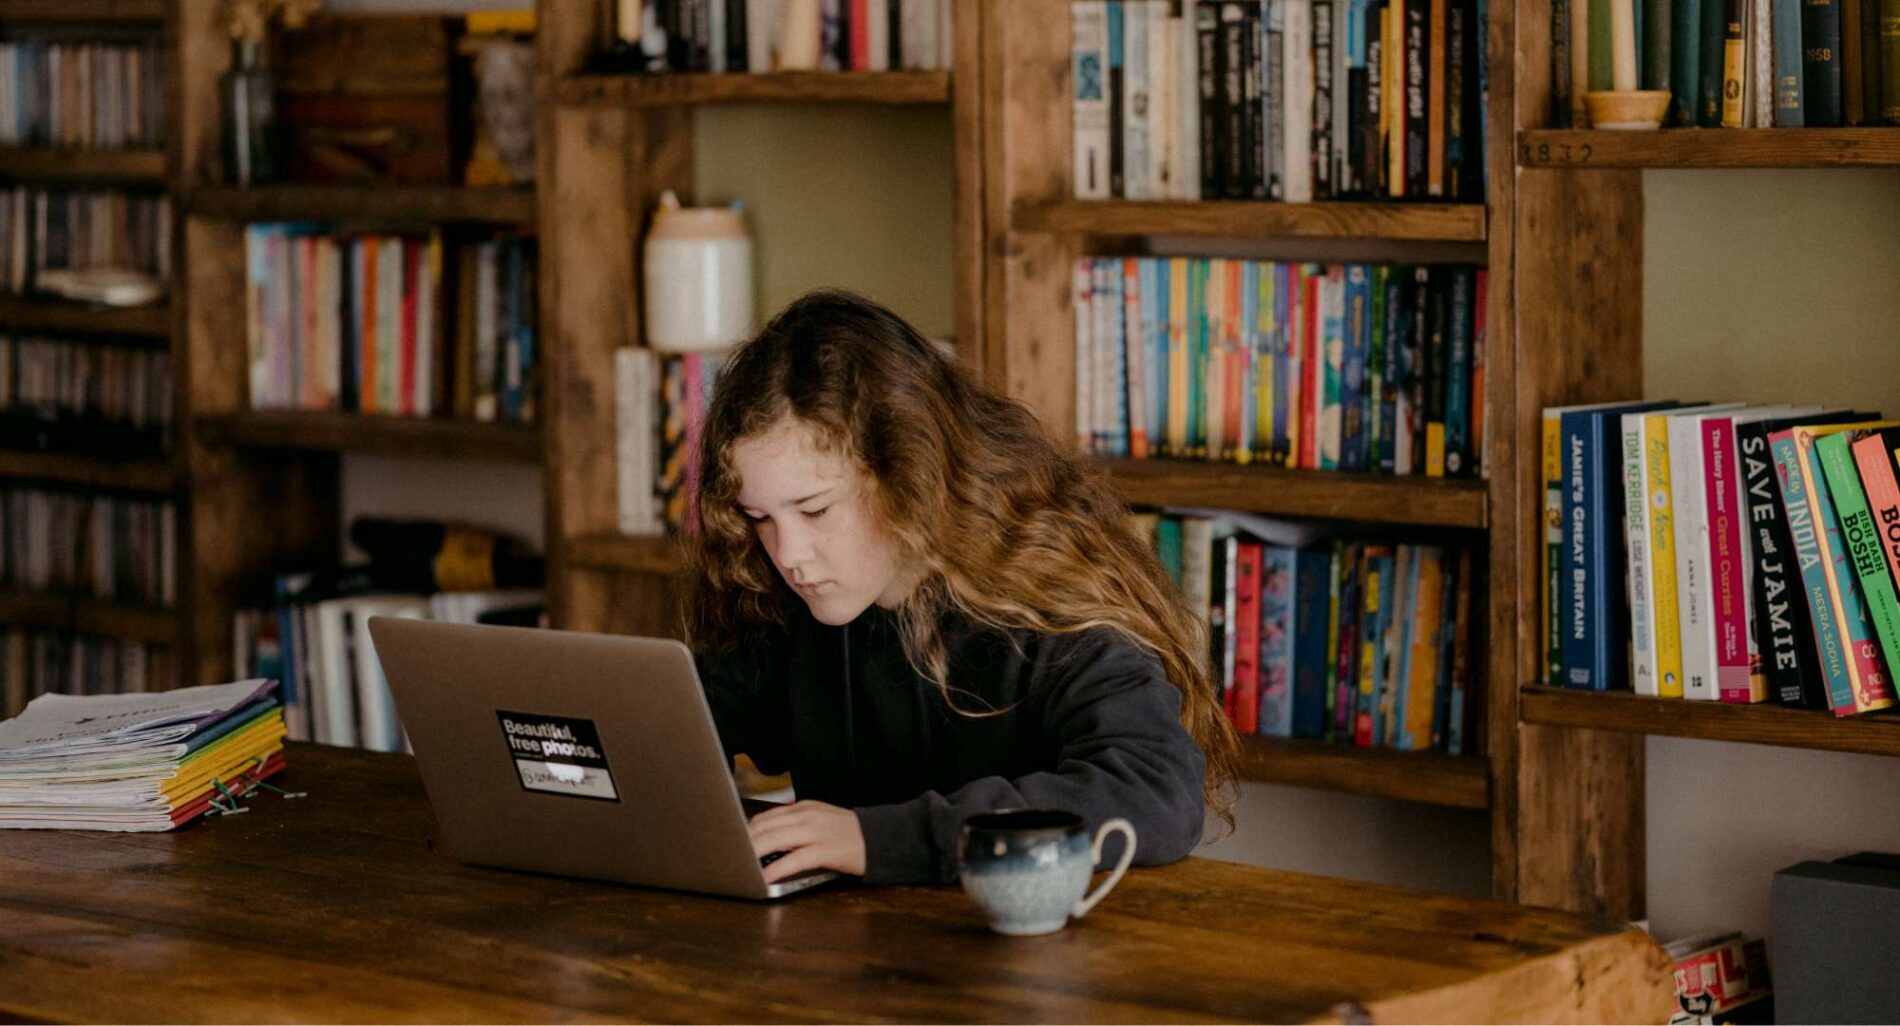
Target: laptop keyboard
766,860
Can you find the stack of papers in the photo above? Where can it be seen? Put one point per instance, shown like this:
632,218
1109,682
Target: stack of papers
139,761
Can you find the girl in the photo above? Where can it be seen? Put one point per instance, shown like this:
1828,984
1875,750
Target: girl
921,607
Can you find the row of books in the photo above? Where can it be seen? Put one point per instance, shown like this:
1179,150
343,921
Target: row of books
82,95
101,546
317,643
790,35
71,395
1359,642
361,323
35,662
47,229
1725,552
660,404
1364,367
1734,63
1290,100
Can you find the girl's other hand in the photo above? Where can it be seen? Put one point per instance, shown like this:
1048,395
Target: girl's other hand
812,835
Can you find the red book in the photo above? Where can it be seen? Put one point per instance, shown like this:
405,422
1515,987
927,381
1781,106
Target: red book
308,337
406,375
366,330
860,24
1246,628
1874,459
1312,369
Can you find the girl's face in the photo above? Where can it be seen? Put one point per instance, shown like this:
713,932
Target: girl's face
812,512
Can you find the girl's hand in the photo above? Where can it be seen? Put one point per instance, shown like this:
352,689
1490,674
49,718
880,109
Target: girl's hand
812,835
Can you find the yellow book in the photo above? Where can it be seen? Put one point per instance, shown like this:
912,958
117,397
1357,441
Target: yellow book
1428,622
1263,275
223,760
1371,695
1435,449
1549,636
1662,556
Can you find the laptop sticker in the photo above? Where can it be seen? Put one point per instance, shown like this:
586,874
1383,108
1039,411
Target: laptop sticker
558,755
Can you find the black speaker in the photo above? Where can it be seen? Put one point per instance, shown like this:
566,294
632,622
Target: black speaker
1837,940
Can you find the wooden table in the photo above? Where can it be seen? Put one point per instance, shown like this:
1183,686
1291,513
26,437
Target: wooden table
334,908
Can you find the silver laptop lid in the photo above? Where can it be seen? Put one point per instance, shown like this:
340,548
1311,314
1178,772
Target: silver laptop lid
586,755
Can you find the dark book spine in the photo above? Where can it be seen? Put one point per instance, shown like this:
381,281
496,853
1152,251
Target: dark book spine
1560,99
1398,317
1455,31
1417,99
1788,74
737,54
1353,393
1821,62
1275,94
1714,22
1352,583
1889,53
1373,182
1358,86
1476,88
1437,304
1685,59
1234,103
1853,63
894,15
1324,11
1873,70
1256,93
1658,23
1458,455
1781,627
1207,43
1312,586
348,323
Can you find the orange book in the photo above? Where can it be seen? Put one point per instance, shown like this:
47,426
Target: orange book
366,327
1435,103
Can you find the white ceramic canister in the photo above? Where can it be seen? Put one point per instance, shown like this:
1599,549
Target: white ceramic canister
698,277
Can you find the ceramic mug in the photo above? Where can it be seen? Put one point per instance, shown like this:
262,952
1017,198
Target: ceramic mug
1028,869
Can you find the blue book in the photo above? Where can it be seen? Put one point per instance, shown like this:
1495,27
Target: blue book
1312,594
1248,332
1458,454
1406,599
1108,289
1448,700
1353,391
1375,369
1283,363
1595,617
1789,94
1152,275
1279,582
1398,317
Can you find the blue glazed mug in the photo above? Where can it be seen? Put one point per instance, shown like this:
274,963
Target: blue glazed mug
1028,869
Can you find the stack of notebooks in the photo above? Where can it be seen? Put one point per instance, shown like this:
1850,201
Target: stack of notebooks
139,762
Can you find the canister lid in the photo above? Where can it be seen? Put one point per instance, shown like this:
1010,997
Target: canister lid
672,221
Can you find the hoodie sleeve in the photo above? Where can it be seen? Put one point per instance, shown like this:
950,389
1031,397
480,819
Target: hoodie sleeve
750,707
1117,748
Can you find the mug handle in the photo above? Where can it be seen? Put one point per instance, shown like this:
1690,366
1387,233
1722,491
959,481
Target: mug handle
1128,855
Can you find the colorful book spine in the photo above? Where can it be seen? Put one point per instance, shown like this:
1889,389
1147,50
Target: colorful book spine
1552,623
1279,607
1641,579
1860,539
1375,606
1695,596
1734,680
1874,457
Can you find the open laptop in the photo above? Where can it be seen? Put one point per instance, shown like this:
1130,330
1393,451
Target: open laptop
586,755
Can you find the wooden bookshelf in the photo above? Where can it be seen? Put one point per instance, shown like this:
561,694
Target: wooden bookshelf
349,432
1623,712
880,87
1432,778
108,11
1337,495
32,313
367,203
1710,147
117,167
1399,222
156,476
90,616
626,553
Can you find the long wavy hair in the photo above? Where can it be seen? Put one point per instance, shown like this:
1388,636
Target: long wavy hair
1013,531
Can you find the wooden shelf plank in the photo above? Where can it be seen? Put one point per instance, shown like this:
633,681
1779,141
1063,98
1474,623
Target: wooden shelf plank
26,163
1369,498
156,475
418,204
1434,222
348,432
1621,711
83,10
625,552
1711,147
775,87
1433,778
31,313
90,616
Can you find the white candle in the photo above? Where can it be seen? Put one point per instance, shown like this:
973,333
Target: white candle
1622,44
627,21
